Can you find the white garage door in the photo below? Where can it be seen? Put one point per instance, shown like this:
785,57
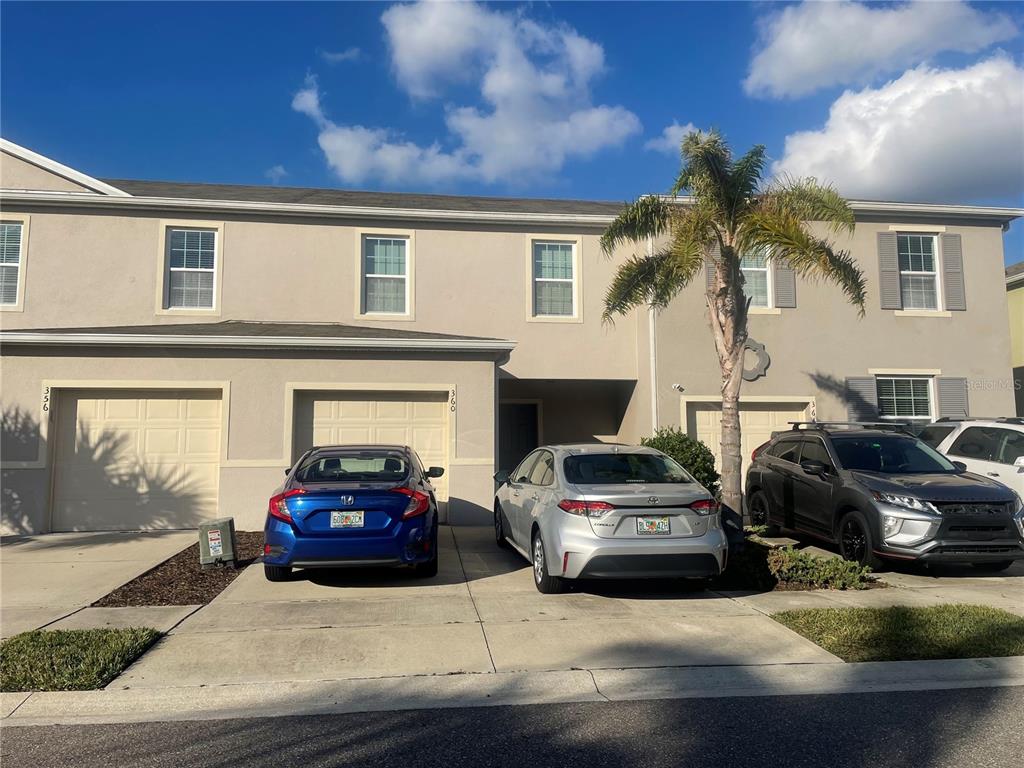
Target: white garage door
757,422
128,460
414,419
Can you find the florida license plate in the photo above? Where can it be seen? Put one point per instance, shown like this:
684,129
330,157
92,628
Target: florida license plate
352,518
648,526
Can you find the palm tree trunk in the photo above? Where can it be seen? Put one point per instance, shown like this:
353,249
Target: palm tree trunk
732,458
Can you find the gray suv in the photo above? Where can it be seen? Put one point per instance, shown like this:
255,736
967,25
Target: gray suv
881,493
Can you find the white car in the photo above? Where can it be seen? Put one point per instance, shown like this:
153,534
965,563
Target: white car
988,447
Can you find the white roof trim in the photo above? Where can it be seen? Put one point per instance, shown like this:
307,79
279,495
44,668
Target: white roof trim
60,169
123,199
1014,279
182,340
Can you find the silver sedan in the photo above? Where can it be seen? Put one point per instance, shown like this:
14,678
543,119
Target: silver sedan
607,511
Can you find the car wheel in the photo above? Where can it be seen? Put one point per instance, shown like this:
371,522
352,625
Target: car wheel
546,583
499,527
993,567
855,541
760,513
277,572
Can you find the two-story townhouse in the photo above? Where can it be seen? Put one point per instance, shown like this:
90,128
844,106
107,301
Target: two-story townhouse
1015,305
168,348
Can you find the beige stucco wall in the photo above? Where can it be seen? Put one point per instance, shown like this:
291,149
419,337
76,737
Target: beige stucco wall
100,270
815,346
15,173
1015,307
257,446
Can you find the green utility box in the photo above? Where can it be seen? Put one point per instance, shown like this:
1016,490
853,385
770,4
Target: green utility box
217,545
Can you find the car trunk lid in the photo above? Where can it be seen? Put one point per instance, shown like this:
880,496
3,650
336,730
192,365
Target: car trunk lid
314,509
647,511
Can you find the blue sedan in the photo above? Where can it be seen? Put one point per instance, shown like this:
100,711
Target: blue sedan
352,506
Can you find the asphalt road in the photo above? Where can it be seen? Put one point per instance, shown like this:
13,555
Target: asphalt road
974,727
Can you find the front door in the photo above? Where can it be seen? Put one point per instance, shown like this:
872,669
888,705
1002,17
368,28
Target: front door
517,433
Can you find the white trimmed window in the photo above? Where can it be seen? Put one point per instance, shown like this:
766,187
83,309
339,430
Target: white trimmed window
905,397
757,279
554,279
919,278
385,266
10,261
191,268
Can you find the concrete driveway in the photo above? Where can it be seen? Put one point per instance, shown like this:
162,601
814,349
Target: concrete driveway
45,578
480,614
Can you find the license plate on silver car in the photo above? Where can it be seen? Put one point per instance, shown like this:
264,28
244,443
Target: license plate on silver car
652,526
351,518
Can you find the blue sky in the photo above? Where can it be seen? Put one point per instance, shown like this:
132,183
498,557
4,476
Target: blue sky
560,100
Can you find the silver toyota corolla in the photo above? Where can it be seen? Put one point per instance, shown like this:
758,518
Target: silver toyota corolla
607,511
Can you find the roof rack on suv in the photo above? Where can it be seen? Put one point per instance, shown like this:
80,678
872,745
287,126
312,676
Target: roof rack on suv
896,426
1000,419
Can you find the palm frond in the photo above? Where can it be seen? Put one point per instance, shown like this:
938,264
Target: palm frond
785,236
707,164
647,216
652,280
810,200
747,172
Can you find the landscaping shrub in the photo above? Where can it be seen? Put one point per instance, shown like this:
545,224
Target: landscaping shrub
70,660
792,566
695,457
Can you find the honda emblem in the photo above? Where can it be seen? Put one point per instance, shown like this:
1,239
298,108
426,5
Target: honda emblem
347,500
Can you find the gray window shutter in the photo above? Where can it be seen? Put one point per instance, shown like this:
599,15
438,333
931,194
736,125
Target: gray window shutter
785,286
952,392
861,399
953,272
889,271
709,267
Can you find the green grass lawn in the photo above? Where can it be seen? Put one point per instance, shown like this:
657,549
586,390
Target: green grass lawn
903,634
70,660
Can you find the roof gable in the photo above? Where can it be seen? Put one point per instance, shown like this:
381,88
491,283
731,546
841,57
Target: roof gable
24,169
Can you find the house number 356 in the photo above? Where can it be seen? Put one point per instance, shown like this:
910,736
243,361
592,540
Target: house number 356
451,401
46,399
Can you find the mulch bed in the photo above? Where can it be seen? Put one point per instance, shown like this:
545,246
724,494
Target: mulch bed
181,581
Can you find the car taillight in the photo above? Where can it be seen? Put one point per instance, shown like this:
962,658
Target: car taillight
419,502
279,504
704,506
757,451
585,508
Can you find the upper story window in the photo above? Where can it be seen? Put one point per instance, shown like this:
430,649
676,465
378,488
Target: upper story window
757,279
191,268
10,262
385,280
919,280
554,279
905,397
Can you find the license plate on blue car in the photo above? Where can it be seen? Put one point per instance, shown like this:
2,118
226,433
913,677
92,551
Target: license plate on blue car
652,526
352,518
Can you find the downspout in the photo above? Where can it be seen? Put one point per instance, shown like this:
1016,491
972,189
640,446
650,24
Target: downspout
652,338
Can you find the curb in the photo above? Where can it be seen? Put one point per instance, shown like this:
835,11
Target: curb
499,689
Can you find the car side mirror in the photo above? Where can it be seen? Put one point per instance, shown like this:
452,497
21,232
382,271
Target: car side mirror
814,467
287,470
501,476
960,466
435,471
1019,463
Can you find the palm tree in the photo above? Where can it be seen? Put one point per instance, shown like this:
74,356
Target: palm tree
730,212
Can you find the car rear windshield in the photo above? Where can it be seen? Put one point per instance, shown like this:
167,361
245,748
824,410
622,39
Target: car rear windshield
617,468
890,454
354,466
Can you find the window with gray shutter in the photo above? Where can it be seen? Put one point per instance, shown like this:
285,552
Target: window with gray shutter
953,272
952,394
10,261
785,287
889,271
861,399
192,266
904,398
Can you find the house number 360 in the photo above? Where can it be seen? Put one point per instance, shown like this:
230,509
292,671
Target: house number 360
451,401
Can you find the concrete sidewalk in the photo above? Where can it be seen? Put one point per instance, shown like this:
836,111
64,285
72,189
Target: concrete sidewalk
502,688
45,578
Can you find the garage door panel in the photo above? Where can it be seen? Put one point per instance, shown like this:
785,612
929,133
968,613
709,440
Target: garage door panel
136,459
757,423
416,419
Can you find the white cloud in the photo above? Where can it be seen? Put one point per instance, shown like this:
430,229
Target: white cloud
275,174
670,138
816,45
949,135
534,110
336,57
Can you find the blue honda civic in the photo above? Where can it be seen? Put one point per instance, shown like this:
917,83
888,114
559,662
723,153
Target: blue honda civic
352,506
